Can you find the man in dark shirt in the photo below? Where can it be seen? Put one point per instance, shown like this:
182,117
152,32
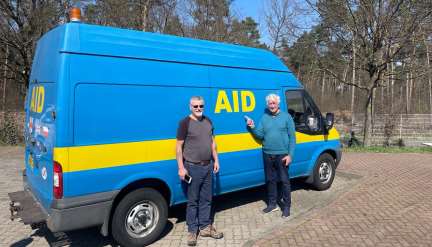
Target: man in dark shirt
195,149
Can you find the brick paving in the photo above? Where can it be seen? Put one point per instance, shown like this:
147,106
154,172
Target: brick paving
391,207
388,204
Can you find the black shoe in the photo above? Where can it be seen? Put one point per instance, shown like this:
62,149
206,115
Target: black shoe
286,213
269,209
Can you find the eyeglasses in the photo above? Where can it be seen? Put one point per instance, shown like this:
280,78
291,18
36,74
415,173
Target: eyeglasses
196,106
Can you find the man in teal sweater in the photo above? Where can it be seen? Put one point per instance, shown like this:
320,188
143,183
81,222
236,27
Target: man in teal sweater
277,131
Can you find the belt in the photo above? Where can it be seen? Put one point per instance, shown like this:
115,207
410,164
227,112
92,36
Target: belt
201,163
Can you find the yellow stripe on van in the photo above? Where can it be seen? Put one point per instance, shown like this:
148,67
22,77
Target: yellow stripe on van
110,155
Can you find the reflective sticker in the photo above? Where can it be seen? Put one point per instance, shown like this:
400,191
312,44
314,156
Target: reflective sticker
45,131
30,161
30,125
44,173
37,127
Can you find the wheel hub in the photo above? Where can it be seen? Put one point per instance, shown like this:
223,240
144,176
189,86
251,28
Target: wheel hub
325,172
142,219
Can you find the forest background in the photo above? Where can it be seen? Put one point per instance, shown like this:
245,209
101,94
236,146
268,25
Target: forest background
368,61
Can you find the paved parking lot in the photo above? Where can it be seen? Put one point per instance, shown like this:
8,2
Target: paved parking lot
391,206
376,200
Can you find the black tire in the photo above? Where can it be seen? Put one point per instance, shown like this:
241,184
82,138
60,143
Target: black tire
122,231
326,164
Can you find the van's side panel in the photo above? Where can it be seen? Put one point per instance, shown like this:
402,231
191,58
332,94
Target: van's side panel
124,122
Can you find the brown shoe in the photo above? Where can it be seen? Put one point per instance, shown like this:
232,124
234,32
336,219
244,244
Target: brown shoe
192,239
210,231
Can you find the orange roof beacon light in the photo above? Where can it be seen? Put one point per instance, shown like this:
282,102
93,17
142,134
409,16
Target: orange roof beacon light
75,14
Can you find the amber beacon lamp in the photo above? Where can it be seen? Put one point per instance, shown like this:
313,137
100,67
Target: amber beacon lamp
75,14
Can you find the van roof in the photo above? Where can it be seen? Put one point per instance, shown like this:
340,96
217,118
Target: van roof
108,41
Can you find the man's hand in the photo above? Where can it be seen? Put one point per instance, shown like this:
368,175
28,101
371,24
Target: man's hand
182,172
250,123
216,167
286,160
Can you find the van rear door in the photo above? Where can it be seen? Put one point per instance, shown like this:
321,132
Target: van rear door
39,138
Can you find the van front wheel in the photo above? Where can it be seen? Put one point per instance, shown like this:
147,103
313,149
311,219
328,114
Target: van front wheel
324,172
140,218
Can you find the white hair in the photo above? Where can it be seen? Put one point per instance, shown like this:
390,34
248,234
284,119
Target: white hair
272,97
197,98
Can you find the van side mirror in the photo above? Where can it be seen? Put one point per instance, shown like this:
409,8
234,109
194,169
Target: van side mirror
329,120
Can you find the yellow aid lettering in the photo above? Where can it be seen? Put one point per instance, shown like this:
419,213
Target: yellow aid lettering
33,99
236,101
245,97
41,98
37,99
222,102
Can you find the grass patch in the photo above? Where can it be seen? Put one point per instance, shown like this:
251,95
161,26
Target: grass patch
380,149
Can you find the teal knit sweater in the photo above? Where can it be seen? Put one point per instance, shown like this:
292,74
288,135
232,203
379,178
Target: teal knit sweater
277,133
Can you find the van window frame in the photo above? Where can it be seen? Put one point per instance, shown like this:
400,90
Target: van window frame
306,99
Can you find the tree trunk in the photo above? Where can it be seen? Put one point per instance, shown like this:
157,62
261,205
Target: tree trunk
410,81
298,72
145,15
407,93
353,82
429,75
322,89
5,78
391,87
382,101
352,105
373,108
368,119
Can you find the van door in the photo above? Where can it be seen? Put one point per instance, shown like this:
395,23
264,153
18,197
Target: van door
39,138
301,107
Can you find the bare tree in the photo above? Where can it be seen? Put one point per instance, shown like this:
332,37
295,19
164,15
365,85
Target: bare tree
382,28
280,18
22,23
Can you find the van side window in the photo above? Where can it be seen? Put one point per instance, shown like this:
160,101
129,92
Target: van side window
301,106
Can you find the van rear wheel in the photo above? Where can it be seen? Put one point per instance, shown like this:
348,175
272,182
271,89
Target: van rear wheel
139,218
324,172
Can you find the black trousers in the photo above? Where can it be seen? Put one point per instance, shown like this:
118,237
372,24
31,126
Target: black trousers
276,171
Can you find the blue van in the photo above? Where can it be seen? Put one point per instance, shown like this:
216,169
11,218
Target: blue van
102,112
